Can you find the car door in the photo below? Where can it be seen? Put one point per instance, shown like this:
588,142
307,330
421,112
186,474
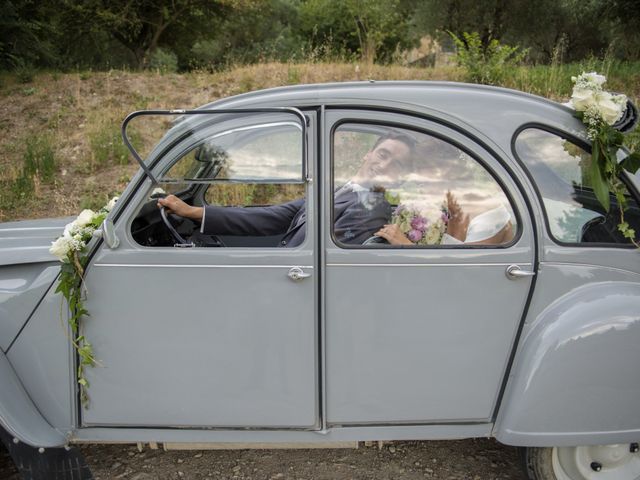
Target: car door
423,334
208,336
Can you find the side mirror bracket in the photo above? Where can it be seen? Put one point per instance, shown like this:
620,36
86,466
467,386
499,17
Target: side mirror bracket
108,233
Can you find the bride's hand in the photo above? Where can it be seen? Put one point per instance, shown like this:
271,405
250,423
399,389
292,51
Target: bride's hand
458,220
393,235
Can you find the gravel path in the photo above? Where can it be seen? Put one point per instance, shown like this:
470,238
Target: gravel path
475,459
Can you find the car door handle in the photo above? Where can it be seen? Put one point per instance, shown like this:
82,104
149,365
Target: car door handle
514,272
296,273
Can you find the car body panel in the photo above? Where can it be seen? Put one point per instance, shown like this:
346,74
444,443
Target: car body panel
400,346
18,414
242,328
21,289
575,378
28,241
43,358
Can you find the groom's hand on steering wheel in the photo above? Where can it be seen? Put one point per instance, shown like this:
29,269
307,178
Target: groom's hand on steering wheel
174,205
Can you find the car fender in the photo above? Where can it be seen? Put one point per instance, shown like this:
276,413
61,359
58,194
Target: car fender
575,378
19,416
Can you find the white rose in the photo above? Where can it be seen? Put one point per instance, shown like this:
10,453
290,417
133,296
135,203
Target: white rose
594,77
61,247
68,228
581,99
111,203
608,107
85,218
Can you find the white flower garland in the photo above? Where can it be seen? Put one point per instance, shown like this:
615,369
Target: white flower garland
70,248
599,110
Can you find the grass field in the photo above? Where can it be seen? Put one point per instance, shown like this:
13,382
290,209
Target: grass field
61,146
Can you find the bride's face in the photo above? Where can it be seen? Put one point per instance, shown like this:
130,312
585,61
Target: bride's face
384,164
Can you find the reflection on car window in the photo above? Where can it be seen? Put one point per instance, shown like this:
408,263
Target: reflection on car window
244,180
264,151
561,171
435,194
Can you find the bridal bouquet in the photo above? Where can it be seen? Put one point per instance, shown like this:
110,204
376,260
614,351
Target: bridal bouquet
418,228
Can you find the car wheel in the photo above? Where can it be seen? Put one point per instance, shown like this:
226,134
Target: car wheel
601,462
50,464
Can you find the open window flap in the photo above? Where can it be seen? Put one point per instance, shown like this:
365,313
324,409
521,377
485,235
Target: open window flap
186,122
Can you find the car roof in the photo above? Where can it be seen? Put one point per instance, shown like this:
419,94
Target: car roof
491,114
496,112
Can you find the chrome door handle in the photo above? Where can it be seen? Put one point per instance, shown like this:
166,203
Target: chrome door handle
514,272
296,273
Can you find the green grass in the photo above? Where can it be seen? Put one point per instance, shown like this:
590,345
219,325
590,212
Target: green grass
39,159
107,147
554,81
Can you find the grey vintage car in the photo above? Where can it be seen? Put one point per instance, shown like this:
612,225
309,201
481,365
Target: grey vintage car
275,313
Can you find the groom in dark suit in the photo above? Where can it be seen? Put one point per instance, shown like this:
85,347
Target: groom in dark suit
360,208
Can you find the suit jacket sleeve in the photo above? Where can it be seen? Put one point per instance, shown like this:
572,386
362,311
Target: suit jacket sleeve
270,220
358,217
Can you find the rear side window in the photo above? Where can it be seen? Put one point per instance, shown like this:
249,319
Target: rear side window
560,170
385,175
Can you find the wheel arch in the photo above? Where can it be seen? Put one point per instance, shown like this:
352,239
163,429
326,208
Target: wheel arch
18,414
575,379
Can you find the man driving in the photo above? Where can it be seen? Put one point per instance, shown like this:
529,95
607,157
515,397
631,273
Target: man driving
360,207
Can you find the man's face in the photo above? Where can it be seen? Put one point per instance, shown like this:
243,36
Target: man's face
385,164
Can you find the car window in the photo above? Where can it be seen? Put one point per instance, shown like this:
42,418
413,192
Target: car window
262,152
232,169
560,169
407,184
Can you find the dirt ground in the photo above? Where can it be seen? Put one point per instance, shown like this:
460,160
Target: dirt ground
474,459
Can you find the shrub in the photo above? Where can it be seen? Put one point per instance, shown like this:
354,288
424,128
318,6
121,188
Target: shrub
39,159
490,64
107,147
25,73
163,61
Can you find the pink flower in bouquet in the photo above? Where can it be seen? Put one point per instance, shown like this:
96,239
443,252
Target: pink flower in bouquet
414,235
419,223
399,210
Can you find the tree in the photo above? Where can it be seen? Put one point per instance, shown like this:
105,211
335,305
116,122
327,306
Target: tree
540,26
140,25
373,29
256,30
26,35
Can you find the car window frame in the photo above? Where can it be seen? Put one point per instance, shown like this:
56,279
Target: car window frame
586,146
440,136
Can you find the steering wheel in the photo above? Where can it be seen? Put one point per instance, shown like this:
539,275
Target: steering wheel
374,239
174,233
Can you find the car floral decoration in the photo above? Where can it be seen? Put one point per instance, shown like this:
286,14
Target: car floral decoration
70,249
603,113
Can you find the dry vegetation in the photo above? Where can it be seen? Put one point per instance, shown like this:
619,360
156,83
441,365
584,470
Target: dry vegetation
70,123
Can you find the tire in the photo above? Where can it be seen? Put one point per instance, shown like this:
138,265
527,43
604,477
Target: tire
605,462
51,464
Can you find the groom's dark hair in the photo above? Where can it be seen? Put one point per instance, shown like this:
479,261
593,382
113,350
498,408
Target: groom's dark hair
405,138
